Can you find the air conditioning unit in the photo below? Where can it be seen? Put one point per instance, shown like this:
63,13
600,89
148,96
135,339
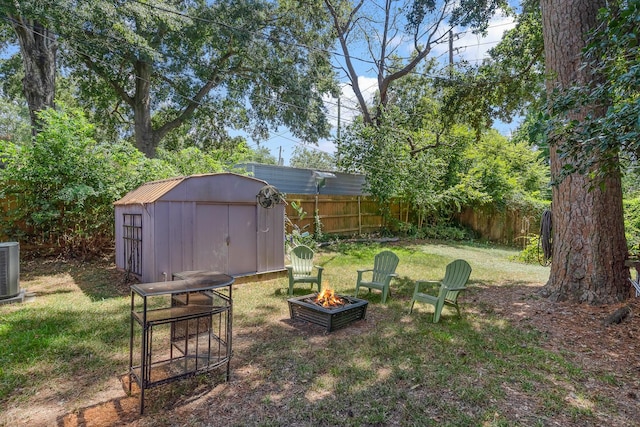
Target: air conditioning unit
9,269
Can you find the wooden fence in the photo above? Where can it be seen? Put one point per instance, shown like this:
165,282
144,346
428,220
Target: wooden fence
354,215
341,215
357,215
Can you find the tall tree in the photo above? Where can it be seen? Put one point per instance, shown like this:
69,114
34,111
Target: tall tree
379,30
304,157
589,246
38,48
508,83
250,64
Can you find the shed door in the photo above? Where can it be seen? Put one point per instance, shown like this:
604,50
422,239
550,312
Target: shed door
243,245
225,238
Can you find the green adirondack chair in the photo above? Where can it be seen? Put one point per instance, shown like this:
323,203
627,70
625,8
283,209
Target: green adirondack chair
301,268
384,269
455,280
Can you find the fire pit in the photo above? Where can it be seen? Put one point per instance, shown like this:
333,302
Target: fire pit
328,309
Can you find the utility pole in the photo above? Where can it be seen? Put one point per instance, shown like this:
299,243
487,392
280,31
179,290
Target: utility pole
450,52
338,133
280,159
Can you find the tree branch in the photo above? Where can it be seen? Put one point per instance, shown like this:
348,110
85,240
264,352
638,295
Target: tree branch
351,72
214,80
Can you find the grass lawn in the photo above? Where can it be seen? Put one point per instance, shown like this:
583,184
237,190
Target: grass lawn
63,356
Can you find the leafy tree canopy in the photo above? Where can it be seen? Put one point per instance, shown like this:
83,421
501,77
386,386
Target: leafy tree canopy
145,68
613,57
308,158
509,83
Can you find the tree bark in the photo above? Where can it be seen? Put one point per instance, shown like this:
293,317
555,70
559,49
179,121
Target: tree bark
143,127
589,245
38,46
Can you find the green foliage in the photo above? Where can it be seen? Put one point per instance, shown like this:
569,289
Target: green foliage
532,252
508,83
612,58
208,67
632,225
296,235
415,154
630,178
440,231
261,155
14,121
63,184
191,161
510,174
304,157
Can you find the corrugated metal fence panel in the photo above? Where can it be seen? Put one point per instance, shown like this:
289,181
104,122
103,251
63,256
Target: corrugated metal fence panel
345,184
302,181
286,180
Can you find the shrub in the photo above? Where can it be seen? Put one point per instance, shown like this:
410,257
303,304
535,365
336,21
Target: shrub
632,225
532,252
62,185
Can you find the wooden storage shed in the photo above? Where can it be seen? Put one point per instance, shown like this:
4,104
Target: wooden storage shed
201,222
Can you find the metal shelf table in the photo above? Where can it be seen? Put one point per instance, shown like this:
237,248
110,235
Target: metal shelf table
185,328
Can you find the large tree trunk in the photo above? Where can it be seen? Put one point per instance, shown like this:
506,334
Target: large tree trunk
145,138
38,46
589,246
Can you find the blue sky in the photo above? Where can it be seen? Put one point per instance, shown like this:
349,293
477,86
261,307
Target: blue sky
468,46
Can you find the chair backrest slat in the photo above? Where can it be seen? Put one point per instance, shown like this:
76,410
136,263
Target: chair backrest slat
302,260
384,263
456,274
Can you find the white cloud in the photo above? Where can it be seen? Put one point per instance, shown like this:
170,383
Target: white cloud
468,46
474,47
349,107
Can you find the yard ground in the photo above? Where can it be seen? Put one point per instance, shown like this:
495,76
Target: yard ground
513,359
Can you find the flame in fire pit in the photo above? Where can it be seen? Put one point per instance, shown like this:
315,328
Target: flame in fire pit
328,298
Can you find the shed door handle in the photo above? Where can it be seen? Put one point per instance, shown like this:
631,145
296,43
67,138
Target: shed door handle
228,240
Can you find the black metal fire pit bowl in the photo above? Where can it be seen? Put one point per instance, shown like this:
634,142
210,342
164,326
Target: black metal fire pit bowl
331,318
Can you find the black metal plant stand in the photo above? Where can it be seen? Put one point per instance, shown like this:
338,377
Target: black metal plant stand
184,327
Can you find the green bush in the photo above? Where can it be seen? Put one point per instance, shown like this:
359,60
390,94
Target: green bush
532,252
632,225
62,185
434,231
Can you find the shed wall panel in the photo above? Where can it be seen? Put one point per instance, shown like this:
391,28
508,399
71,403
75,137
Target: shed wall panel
270,242
118,232
187,226
159,246
180,229
243,251
210,246
148,243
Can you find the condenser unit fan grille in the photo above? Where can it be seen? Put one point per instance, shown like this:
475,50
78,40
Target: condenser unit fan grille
4,273
9,269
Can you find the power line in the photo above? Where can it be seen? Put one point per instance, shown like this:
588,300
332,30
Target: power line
257,34
189,99
176,92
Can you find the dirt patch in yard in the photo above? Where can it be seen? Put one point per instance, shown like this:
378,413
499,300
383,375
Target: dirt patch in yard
581,334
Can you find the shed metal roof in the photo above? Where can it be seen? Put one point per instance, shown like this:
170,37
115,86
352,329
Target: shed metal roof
149,192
